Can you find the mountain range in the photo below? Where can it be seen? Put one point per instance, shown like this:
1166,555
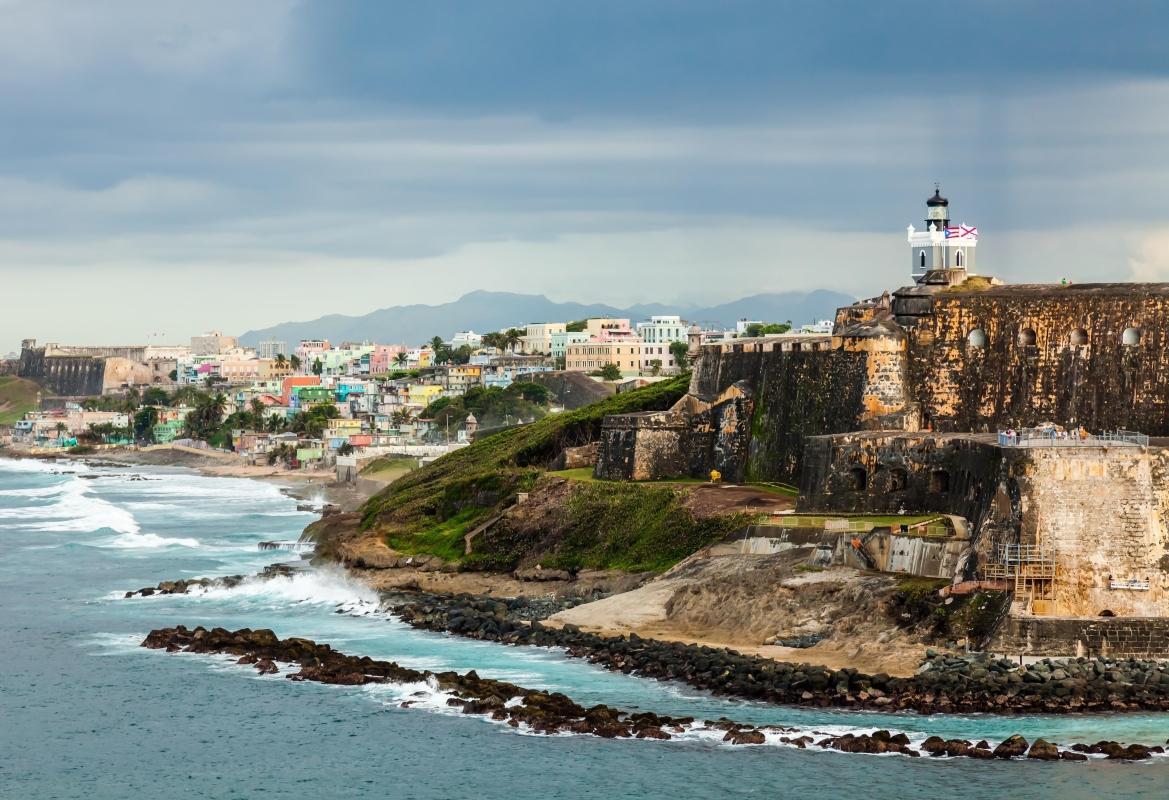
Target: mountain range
483,311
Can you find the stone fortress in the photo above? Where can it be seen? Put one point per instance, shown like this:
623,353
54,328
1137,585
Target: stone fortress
1022,412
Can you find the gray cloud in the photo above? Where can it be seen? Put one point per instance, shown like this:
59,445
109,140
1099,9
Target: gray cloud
228,166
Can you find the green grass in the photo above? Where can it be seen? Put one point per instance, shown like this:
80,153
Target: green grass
17,397
876,520
443,539
586,474
389,468
776,488
637,527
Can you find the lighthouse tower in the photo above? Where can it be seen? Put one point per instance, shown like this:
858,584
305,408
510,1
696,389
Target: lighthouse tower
943,252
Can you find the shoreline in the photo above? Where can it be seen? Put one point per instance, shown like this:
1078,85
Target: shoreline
298,484
620,648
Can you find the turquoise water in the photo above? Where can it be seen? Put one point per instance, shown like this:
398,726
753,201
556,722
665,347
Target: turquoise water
85,712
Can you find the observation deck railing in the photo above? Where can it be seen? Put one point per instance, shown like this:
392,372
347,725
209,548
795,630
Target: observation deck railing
1051,437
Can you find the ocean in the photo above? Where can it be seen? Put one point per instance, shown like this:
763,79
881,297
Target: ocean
87,713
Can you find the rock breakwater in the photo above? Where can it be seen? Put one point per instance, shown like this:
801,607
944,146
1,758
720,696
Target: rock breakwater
554,713
945,683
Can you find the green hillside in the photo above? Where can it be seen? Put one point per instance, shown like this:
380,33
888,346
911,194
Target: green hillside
17,396
461,489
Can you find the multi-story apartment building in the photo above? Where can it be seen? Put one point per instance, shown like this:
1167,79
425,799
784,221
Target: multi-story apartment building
662,330
271,349
537,338
625,352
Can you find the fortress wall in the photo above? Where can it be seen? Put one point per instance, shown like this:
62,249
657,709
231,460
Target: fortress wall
1102,513
1105,637
886,472
1013,381
63,375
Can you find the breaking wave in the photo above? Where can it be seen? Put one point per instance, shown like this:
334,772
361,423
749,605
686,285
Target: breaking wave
318,587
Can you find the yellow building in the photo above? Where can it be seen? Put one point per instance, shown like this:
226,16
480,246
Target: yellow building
592,355
423,394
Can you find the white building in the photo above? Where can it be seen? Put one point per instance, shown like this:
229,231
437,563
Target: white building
741,325
538,337
271,349
468,338
662,330
819,326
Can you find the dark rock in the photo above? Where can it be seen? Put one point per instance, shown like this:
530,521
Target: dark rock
1012,747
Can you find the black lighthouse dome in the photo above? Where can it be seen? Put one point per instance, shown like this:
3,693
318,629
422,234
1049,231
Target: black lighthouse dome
937,199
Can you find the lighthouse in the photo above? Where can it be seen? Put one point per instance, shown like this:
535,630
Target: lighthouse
942,252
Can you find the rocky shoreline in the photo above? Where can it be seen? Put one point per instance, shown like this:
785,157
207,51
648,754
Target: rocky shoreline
944,684
553,713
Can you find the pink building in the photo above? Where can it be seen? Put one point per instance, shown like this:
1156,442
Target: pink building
382,359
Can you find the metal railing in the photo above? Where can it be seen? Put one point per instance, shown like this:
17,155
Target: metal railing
1052,437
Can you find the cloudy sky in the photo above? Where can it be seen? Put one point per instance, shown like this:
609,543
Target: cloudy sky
170,167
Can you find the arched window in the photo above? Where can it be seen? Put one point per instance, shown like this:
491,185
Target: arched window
939,481
1107,613
921,259
858,479
1026,337
958,258
1131,337
1078,337
898,479
976,338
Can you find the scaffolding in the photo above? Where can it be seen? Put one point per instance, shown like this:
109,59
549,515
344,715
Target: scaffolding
1030,570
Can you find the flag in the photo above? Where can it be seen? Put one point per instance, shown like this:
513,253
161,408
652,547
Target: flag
961,232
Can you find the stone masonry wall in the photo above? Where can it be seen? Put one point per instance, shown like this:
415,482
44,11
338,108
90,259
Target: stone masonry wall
1107,637
1101,512
75,376
1034,368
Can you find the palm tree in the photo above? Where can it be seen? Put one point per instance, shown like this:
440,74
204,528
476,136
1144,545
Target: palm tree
294,362
257,413
401,359
513,337
436,343
281,360
61,429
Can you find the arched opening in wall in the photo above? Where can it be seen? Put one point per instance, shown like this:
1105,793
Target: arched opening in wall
1026,337
858,479
898,479
1107,613
1078,337
921,259
958,259
976,338
939,481
1131,337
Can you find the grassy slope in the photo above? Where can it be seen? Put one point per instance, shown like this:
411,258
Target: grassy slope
431,508
636,527
17,396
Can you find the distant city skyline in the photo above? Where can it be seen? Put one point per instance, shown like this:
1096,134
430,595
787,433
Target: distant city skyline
169,169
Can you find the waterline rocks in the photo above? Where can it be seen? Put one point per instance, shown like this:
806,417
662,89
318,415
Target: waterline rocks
552,712
224,582
944,684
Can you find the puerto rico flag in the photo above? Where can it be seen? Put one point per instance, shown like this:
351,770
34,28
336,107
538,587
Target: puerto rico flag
961,232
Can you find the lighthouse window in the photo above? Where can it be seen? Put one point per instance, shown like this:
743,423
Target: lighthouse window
1131,337
976,338
958,258
921,258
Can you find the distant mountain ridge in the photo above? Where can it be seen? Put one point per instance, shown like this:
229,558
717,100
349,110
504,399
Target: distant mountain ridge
483,311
